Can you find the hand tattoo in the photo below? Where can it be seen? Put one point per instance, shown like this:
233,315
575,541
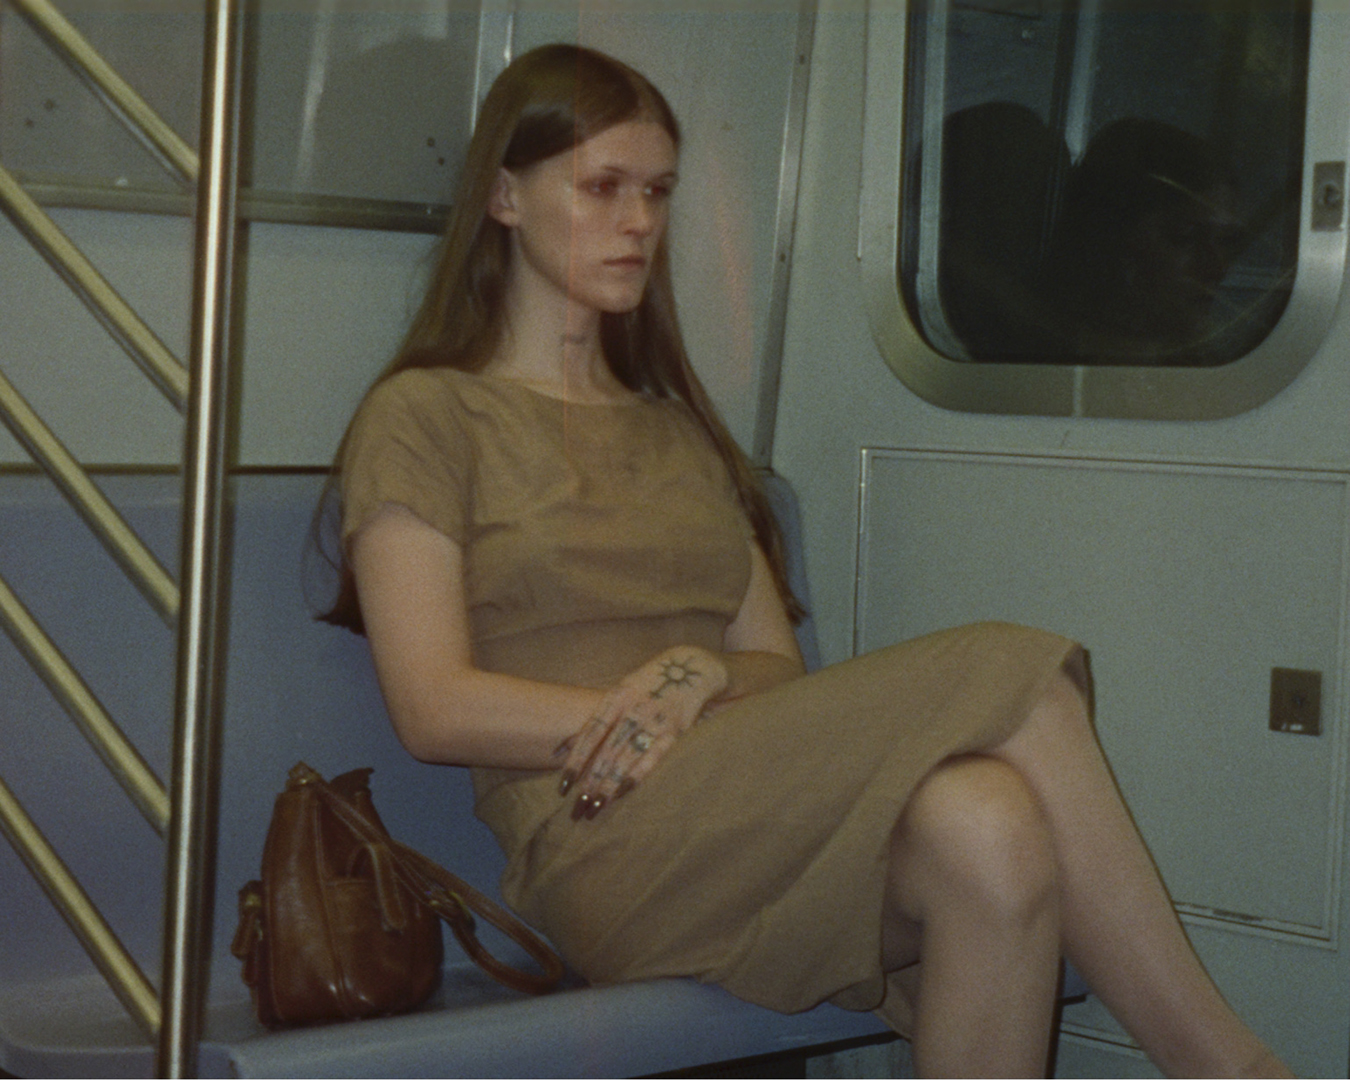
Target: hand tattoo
676,673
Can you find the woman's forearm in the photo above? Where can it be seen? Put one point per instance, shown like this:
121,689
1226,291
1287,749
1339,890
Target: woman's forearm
480,718
411,583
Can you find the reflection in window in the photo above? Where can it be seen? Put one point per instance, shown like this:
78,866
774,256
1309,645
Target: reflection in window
1114,182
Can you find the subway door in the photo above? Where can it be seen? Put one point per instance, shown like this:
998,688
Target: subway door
1064,347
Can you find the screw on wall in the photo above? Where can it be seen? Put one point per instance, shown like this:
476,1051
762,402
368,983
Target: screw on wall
1328,196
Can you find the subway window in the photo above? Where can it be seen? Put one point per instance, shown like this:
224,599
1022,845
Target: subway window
1102,207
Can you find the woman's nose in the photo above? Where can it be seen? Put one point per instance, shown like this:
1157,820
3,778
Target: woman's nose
640,215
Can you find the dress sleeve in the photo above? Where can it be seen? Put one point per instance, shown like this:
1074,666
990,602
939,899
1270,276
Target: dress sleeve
408,445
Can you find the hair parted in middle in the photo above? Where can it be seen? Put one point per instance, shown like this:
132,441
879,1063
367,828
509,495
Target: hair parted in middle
548,101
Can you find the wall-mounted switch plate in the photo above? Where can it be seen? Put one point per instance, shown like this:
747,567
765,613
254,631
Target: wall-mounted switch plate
1296,701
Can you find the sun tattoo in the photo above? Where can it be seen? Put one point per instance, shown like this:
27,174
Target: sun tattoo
675,673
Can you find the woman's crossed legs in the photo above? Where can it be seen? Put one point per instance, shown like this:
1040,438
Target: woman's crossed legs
1002,860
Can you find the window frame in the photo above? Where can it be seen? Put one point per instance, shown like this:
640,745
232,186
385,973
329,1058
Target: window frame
1136,392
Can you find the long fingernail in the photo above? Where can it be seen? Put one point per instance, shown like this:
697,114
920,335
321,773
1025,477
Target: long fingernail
565,747
569,777
597,804
625,788
581,807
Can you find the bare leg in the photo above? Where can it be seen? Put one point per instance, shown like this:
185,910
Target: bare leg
1119,928
973,892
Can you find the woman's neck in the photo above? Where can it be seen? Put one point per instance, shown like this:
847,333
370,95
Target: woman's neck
556,348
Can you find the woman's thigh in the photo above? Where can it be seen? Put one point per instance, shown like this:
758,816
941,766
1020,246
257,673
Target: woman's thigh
757,852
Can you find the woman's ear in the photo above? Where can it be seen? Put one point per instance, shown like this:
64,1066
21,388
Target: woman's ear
501,205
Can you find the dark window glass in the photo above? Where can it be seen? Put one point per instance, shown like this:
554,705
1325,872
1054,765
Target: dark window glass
1111,182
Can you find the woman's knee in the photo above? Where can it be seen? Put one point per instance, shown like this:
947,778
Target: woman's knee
1064,701
974,833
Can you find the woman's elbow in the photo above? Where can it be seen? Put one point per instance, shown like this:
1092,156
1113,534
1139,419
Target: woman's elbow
418,739
424,731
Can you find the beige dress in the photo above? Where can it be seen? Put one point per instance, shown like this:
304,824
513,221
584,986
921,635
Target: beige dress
595,536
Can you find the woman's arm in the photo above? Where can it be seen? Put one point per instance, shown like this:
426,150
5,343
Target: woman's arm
410,579
759,646
651,707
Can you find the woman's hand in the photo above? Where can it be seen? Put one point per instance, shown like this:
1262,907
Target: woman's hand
638,721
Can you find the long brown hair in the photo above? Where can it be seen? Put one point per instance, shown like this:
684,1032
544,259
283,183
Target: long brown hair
546,102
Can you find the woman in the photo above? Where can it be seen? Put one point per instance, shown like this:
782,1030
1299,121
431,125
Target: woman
570,581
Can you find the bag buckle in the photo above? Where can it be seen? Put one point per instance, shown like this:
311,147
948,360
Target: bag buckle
451,905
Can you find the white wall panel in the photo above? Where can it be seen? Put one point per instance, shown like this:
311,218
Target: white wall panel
325,308
325,311
1187,585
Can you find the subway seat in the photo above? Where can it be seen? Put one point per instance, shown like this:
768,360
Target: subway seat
296,690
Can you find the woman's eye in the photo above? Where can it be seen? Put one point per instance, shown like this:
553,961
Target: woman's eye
602,187
660,191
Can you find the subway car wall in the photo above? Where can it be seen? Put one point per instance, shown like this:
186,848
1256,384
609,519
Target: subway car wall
1183,512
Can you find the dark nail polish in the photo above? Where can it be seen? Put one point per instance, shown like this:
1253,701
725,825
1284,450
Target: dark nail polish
625,788
568,779
581,807
597,804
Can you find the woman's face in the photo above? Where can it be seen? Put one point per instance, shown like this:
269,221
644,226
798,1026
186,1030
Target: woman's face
586,223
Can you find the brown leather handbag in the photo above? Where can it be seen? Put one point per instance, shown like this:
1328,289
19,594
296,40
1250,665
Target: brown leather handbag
345,922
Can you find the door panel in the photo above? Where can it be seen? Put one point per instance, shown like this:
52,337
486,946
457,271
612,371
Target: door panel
1186,601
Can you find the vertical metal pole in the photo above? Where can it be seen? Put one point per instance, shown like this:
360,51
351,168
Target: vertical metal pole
784,232
191,852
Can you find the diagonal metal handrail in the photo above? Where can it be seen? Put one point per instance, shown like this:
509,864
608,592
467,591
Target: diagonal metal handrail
125,977
136,560
121,757
176,1019
117,94
164,369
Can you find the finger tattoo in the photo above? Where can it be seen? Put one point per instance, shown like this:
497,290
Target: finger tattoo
622,731
641,741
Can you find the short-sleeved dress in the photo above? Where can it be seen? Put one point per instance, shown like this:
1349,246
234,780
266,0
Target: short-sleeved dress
595,536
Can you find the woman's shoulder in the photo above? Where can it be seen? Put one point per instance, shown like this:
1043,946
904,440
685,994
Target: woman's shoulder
682,421
418,387
429,396
437,397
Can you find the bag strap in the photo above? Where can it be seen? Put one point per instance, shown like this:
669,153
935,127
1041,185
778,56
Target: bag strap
454,900
449,896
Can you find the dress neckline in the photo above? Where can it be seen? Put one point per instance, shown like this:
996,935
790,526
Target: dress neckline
632,400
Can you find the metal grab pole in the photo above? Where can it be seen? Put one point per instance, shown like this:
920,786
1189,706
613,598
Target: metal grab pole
193,793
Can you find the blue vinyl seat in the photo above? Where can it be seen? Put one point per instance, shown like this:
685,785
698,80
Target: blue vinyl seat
295,690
